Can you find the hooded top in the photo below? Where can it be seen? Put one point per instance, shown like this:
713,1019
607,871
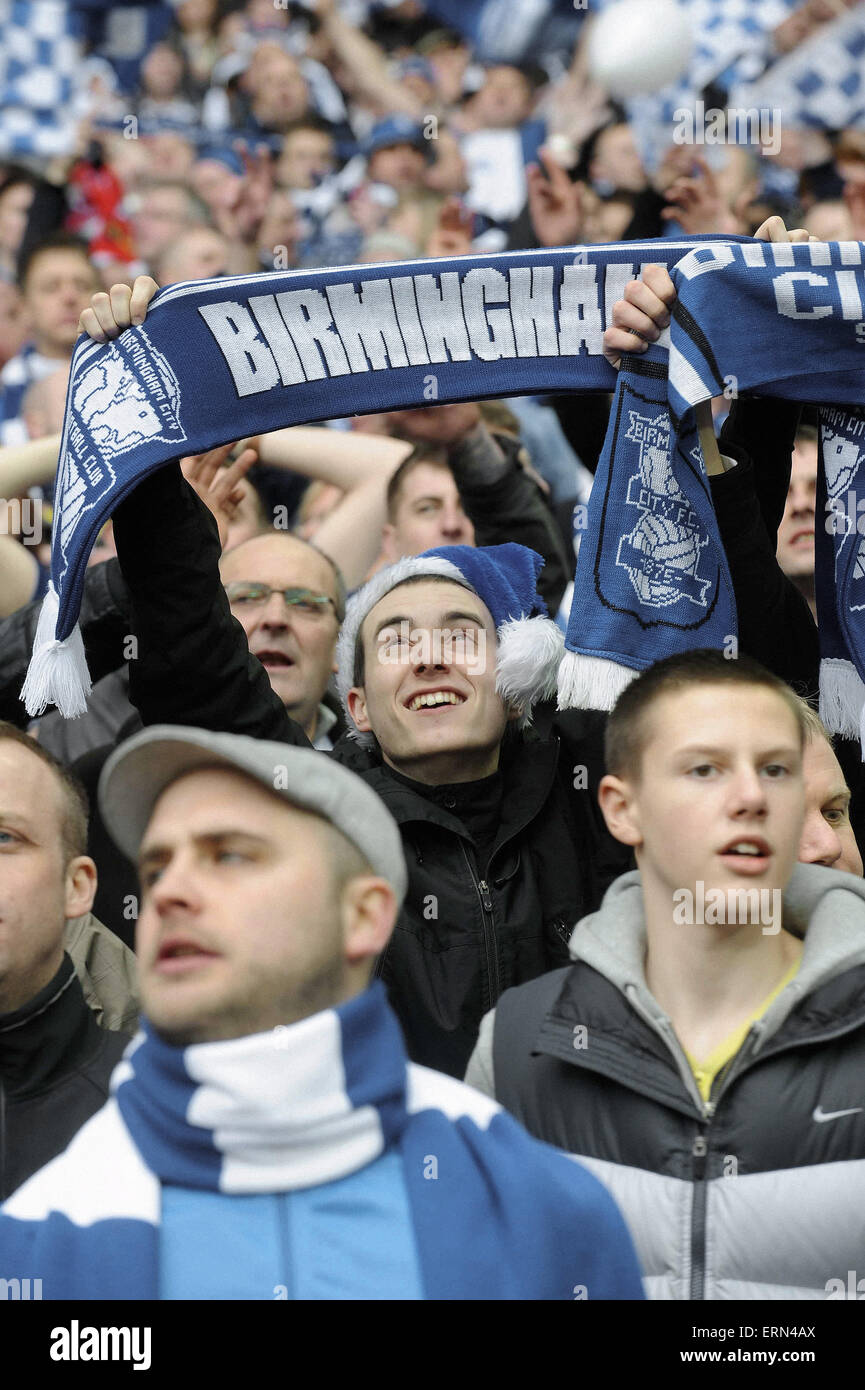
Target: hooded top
786,1118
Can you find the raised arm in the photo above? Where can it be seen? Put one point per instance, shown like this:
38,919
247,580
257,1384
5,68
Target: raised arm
500,498
775,624
28,465
361,465
366,63
193,664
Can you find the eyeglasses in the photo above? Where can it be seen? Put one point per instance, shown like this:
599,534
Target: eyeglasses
242,594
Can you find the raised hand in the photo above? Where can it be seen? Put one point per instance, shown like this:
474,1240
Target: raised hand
554,202
641,316
452,235
241,221
696,201
219,487
109,314
774,229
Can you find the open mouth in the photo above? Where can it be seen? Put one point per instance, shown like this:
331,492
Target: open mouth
274,660
434,699
177,956
750,854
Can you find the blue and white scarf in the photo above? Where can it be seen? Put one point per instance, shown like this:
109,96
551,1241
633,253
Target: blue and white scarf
777,319
218,360
501,1215
774,319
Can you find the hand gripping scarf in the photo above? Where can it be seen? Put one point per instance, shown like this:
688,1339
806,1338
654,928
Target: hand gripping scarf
220,359
216,360
652,579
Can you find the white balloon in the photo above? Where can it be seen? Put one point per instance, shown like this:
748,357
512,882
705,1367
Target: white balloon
639,46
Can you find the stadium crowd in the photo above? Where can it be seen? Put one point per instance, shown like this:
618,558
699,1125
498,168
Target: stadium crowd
394,937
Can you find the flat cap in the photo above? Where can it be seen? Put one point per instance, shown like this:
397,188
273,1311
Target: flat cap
139,771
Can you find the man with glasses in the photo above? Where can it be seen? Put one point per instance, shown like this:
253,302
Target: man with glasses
289,598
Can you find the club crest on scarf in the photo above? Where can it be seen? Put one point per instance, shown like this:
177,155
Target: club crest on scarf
662,551
123,397
650,525
651,577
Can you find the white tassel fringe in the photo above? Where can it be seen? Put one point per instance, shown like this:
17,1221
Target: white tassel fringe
842,697
57,674
591,682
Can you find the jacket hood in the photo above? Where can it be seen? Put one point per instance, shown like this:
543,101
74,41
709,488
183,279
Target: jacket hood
825,907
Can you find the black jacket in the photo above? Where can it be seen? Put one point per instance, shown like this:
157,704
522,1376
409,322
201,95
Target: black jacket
776,625
55,1064
468,928
474,924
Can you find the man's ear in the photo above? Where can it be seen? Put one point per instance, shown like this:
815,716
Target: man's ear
369,913
618,805
80,886
388,543
356,700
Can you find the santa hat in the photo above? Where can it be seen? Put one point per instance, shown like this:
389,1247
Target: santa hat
529,645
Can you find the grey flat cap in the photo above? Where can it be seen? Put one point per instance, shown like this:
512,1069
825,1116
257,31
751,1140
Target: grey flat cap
141,768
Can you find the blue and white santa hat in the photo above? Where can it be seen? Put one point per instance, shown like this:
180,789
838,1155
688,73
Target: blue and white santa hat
504,577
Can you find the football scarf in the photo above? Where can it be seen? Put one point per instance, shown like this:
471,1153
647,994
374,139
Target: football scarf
218,360
773,319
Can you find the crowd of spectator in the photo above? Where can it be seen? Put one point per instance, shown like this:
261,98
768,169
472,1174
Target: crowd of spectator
239,597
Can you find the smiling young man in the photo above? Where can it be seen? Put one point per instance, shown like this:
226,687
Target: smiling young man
706,1063
440,661
266,1137
436,712
505,844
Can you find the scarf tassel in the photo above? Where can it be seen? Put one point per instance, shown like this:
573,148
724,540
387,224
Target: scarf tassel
842,697
591,682
58,673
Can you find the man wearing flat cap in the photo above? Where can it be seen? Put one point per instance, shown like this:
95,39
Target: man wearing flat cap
265,1136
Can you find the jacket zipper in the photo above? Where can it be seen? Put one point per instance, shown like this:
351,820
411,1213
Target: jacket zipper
482,888
698,1217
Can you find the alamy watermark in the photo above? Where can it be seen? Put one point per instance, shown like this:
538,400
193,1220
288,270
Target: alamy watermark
728,907
22,517
733,125
845,515
20,1289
